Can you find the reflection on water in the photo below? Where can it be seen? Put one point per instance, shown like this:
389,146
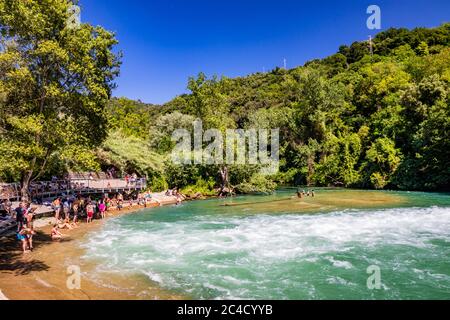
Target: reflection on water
276,247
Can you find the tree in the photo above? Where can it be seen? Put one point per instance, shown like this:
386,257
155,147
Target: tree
382,161
55,81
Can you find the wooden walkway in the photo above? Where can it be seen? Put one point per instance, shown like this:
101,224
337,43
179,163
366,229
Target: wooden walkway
47,190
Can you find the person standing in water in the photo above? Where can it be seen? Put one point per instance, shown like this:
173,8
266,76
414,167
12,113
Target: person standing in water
75,208
55,234
22,236
102,209
57,207
89,212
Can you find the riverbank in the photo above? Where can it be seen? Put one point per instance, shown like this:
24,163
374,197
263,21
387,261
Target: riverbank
43,273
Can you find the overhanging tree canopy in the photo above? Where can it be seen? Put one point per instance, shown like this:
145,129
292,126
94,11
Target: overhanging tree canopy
55,81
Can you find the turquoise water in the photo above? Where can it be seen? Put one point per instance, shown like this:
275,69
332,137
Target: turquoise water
265,247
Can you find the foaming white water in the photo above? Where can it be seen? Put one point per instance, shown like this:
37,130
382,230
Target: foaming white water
267,256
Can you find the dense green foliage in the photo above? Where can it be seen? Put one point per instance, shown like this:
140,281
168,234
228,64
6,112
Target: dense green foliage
55,80
353,119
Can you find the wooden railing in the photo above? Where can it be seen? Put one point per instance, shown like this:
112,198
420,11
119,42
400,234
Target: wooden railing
49,189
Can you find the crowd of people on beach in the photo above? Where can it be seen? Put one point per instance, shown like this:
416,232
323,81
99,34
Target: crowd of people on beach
69,211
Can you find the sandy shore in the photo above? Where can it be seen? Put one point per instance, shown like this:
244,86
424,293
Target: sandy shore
43,273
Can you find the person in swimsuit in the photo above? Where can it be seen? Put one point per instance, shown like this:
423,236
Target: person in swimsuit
65,224
90,212
66,208
75,212
22,236
56,235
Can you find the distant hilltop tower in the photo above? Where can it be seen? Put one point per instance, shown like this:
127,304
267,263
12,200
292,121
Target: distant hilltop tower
371,45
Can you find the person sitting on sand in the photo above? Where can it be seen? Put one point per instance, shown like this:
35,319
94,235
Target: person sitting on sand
56,235
57,207
65,224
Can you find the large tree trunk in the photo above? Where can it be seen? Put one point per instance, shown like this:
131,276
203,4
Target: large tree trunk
25,186
225,182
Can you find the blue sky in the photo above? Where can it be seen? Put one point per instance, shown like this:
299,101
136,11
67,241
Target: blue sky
166,41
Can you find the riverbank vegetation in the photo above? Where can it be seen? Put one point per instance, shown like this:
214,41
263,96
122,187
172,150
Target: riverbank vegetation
353,119
357,118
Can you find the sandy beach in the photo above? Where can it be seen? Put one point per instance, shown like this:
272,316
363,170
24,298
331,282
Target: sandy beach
43,273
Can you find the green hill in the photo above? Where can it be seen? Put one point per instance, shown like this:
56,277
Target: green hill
351,119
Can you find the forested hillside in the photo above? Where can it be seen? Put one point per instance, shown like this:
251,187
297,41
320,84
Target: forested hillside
353,119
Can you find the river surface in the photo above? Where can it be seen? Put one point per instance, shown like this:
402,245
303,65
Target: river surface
277,247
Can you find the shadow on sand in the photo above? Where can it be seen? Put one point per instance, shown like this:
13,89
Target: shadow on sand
14,261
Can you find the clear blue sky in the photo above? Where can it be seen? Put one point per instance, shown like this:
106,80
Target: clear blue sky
166,41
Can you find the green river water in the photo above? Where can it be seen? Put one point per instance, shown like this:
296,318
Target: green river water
276,247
